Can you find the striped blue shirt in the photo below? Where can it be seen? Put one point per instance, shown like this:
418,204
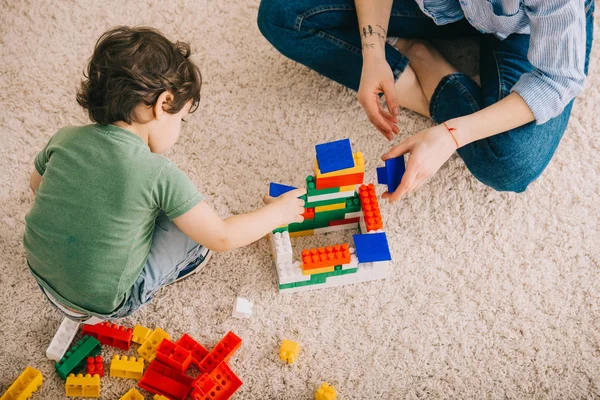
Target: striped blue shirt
556,44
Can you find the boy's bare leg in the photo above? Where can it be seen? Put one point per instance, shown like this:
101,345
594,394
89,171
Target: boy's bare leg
409,93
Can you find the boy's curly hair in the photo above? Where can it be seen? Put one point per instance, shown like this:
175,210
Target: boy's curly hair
135,65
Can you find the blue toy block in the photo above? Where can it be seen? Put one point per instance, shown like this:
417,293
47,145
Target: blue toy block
372,247
334,156
391,174
276,189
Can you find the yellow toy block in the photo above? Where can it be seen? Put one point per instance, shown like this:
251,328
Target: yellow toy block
331,207
28,382
326,392
289,351
317,270
160,397
123,367
132,395
359,167
140,334
83,386
349,188
148,347
308,232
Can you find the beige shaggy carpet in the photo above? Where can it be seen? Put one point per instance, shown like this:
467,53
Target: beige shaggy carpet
491,295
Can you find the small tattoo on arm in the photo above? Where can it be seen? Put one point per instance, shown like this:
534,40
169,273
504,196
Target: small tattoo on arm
368,46
374,31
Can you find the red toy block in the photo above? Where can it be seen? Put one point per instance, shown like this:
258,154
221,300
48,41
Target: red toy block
110,334
222,352
322,257
344,221
342,180
309,213
198,351
370,207
95,366
164,380
173,355
221,384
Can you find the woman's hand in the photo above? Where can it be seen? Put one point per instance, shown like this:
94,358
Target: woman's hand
429,150
376,78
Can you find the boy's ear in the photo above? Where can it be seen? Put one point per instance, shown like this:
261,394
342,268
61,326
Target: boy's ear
162,104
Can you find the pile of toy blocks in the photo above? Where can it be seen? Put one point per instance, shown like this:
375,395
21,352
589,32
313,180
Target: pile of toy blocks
167,375
336,199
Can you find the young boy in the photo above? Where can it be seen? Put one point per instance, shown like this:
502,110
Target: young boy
113,221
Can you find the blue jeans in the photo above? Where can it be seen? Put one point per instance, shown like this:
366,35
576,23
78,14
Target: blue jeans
324,36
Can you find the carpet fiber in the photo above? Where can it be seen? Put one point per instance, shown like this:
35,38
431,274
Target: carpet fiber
491,295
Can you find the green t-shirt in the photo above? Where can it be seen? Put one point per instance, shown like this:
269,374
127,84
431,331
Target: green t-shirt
90,229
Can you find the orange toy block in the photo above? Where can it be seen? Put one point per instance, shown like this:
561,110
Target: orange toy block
322,257
370,207
309,213
342,180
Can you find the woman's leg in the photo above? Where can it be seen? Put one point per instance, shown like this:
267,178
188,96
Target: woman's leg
324,36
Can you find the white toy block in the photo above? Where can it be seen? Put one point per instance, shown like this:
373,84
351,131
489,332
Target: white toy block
353,261
281,246
354,214
62,339
336,228
242,308
330,196
290,273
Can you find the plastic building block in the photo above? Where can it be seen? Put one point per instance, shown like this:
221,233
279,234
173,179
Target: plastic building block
198,351
222,352
337,228
352,179
289,351
126,367
290,273
334,156
307,232
281,246
132,394
140,334
370,207
344,221
110,334
160,397
317,270
358,168
76,358
309,213
148,348
331,207
242,308
372,247
62,339
391,173
329,256
173,355
82,386
95,366
160,379
276,189
221,384
326,392
28,382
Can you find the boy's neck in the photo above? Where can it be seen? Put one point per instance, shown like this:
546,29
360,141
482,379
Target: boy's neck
135,128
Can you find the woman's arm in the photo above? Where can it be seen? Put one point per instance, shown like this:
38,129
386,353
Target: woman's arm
34,181
377,76
205,227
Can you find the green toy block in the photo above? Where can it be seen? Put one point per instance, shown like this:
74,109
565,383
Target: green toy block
328,216
76,358
324,203
317,279
307,224
281,229
311,185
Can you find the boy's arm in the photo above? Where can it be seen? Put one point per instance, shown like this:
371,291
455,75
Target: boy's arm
205,227
34,180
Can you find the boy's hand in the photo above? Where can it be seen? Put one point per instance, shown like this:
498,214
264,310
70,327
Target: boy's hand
288,207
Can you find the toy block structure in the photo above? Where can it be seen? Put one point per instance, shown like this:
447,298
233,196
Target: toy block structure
140,334
242,308
222,352
23,387
289,351
132,394
110,334
82,386
336,199
220,384
173,355
196,349
148,347
62,339
164,380
126,367
326,392
391,174
95,366
76,358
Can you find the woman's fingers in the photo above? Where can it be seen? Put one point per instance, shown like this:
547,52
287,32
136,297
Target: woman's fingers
371,106
401,148
390,118
389,92
412,170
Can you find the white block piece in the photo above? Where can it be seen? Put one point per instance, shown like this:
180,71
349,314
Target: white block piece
290,273
354,214
330,196
242,308
62,339
353,261
336,228
282,247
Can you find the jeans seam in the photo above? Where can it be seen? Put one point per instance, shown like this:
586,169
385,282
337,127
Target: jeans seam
500,75
317,10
